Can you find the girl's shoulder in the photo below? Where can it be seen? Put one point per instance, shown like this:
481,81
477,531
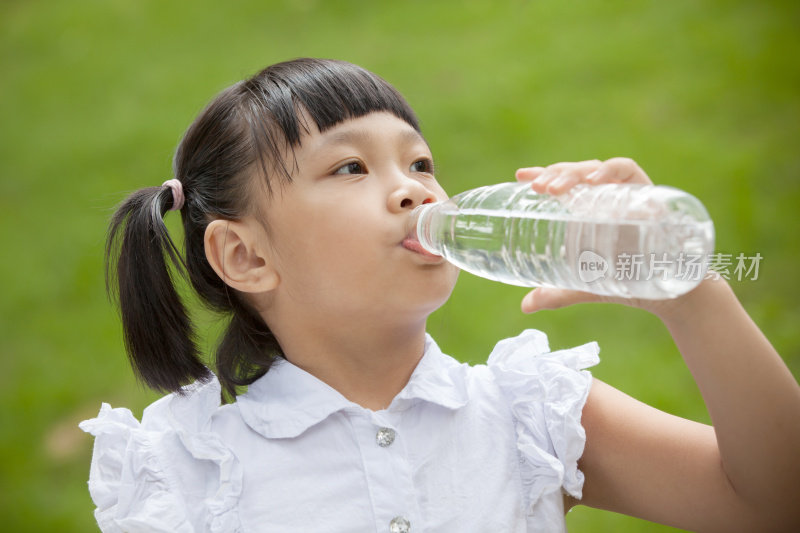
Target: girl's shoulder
169,472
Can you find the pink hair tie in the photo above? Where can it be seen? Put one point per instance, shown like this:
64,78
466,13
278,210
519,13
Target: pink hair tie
177,193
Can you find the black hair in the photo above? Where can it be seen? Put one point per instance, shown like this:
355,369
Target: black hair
239,140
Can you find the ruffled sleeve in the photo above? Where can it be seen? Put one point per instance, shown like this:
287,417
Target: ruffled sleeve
546,392
170,473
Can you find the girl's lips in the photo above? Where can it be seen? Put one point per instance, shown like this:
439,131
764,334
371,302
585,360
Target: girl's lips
411,243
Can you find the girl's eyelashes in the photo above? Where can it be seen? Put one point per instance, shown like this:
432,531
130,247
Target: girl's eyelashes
423,165
353,167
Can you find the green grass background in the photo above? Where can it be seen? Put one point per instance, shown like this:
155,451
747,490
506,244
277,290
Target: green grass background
94,95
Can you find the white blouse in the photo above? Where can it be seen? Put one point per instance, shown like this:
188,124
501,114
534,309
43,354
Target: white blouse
461,448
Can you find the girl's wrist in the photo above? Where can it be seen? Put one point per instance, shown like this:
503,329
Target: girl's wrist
702,299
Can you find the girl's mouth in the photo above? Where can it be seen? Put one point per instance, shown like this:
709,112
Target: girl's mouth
412,243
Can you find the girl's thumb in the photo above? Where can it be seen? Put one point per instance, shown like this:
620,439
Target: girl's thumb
548,298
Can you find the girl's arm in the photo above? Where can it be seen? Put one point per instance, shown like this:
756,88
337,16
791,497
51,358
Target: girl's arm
742,474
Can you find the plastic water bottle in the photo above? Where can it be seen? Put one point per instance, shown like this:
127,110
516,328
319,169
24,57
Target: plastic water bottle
634,241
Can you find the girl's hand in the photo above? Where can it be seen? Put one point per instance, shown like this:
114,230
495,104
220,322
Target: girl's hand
559,178
740,475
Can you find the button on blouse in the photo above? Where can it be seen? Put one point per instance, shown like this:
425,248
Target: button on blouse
399,525
385,437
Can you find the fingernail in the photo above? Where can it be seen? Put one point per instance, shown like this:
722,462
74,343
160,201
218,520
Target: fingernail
593,176
560,181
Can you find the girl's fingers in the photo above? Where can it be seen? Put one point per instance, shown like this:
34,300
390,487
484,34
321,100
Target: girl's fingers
549,298
619,170
529,173
544,179
565,181
560,177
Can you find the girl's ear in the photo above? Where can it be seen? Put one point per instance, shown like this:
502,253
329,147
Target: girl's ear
238,256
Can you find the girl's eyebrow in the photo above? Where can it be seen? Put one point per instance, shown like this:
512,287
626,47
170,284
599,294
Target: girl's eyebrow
353,136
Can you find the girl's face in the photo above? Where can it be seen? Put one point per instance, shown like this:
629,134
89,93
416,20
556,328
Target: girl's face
338,232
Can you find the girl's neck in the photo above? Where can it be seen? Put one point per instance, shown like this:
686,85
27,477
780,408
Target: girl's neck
368,365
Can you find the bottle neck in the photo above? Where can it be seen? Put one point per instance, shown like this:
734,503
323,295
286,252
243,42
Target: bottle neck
422,220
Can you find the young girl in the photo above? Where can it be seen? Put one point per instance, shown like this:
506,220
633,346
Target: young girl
295,188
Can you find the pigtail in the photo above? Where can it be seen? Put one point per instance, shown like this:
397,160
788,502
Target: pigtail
141,260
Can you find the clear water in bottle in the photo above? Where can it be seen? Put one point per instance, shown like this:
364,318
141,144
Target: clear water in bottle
634,241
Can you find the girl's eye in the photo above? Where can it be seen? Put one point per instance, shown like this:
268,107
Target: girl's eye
423,165
353,167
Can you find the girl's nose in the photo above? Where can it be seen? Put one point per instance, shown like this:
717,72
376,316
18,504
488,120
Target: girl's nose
409,194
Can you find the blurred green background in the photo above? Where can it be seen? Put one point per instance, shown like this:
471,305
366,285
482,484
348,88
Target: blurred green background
94,95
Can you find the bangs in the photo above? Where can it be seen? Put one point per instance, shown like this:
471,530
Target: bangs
325,91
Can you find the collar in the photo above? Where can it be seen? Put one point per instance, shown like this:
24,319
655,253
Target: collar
287,400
